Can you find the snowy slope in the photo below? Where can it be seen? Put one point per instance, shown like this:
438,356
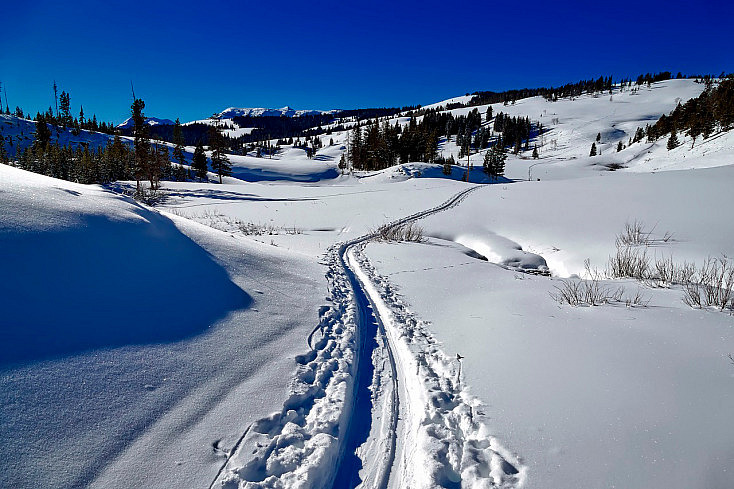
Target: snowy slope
543,394
286,111
225,118
135,349
228,127
150,121
587,397
19,134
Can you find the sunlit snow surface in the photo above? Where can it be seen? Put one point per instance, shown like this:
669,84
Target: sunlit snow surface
138,346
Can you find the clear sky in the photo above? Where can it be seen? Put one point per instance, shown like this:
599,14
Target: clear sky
191,59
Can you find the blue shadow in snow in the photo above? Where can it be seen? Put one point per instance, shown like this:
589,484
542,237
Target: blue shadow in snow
258,175
106,284
360,424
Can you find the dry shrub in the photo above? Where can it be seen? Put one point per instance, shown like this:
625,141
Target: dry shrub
630,262
712,285
400,232
592,292
634,234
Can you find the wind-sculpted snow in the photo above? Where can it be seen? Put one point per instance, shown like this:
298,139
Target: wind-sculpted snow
136,347
70,239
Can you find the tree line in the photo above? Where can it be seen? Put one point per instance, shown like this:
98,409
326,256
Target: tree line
589,86
711,111
140,160
378,146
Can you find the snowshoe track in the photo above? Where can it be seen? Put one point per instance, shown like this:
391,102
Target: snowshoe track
304,445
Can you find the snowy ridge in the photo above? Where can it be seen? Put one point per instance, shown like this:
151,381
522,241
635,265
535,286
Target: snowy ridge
149,121
232,112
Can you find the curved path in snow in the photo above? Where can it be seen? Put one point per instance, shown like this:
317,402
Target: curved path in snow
418,427
376,403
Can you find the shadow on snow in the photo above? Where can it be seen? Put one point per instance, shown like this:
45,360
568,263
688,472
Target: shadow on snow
107,284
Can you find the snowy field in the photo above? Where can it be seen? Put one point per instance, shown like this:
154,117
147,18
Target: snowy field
257,334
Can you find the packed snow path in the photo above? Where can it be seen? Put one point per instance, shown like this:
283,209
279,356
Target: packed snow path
375,403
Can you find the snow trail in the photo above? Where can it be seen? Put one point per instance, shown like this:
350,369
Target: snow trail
357,416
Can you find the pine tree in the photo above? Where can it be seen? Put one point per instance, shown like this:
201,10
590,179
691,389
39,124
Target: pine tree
56,98
593,150
342,164
43,133
447,166
178,141
494,161
619,146
141,162
673,141
65,110
356,148
3,152
220,161
199,162
160,166
598,137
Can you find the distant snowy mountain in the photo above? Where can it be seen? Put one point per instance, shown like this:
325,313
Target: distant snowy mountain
286,111
225,118
151,121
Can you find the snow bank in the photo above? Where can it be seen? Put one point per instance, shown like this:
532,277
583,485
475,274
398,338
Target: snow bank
89,249
136,349
568,221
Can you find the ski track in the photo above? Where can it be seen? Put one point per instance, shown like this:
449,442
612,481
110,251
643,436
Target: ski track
423,428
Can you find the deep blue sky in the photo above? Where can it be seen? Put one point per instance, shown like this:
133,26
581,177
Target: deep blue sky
190,59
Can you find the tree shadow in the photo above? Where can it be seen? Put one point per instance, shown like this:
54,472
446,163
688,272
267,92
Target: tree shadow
260,175
226,195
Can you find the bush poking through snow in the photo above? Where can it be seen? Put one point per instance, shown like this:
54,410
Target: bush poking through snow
713,285
591,292
594,293
630,262
585,293
634,234
219,221
400,232
710,285
667,272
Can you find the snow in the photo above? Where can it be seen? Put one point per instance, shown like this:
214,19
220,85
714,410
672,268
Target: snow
286,111
169,337
633,397
251,334
225,118
150,121
19,134
224,124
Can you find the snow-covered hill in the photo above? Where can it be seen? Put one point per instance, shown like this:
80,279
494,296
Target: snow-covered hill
286,111
132,342
150,121
269,351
